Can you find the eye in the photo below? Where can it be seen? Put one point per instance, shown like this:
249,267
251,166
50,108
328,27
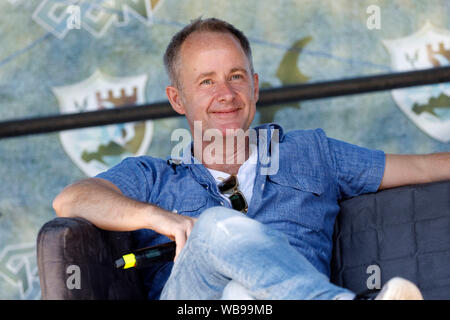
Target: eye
236,77
206,82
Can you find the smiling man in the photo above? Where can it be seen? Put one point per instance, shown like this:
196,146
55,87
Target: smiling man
240,233
213,83
217,84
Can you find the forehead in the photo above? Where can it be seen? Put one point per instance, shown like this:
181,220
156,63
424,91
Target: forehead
205,38
203,41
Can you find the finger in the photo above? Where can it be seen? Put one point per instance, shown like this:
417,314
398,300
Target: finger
188,232
180,241
189,229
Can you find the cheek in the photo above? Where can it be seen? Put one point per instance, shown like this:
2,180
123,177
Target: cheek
197,106
246,91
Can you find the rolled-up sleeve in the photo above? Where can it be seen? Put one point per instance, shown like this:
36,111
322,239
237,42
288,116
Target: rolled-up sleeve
132,176
358,170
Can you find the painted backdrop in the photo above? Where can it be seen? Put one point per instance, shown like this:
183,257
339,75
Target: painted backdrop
60,56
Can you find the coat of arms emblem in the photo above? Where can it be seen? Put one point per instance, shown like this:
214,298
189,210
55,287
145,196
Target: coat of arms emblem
427,106
97,149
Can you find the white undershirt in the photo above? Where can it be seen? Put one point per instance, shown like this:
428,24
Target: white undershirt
246,176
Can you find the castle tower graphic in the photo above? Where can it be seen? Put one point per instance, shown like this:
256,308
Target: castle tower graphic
428,107
97,149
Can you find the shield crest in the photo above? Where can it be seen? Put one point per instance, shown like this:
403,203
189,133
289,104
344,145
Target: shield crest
427,106
97,149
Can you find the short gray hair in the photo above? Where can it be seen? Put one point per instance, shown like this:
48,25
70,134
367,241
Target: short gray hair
212,25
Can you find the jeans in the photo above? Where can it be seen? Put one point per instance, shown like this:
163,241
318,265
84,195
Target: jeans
225,246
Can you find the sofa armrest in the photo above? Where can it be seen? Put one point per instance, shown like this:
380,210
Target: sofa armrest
68,248
402,231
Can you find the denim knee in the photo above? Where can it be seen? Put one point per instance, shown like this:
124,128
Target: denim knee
210,217
221,223
235,291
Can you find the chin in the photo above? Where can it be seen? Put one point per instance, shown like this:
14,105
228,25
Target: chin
231,130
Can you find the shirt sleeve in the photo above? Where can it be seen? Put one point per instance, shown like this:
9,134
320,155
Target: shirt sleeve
132,176
358,170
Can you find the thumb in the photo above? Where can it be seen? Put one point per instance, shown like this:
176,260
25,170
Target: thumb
180,241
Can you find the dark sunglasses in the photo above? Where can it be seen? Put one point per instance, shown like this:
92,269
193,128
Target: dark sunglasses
237,199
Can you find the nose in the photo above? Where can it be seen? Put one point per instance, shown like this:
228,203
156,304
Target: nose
225,92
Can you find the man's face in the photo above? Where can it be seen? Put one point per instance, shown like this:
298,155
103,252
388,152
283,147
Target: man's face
216,83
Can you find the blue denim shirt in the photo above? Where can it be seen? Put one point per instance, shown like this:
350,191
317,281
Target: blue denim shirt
301,199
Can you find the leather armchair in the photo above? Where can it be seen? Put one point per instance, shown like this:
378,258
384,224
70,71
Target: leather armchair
397,232
66,242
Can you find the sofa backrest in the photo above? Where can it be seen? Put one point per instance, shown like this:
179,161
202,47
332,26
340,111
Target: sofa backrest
395,232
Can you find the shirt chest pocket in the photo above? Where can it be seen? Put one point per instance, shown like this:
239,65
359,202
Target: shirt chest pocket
298,200
189,206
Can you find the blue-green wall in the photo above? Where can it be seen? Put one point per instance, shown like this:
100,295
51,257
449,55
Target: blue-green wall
36,56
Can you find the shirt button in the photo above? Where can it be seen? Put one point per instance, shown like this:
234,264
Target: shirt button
175,211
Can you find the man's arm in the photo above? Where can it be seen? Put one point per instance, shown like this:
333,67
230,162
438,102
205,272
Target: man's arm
414,169
103,204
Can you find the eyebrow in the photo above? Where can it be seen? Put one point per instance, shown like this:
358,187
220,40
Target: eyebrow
211,73
238,69
205,74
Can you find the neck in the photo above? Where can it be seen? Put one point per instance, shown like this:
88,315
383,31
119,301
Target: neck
226,157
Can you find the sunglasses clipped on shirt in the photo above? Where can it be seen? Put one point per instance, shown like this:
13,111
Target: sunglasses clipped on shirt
230,187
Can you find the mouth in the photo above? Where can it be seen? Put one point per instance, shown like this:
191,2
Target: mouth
226,112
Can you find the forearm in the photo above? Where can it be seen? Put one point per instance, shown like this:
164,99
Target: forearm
415,169
436,166
103,205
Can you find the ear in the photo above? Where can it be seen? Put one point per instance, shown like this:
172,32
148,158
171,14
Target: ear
173,95
256,87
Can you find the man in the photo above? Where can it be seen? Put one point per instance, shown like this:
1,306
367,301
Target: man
276,241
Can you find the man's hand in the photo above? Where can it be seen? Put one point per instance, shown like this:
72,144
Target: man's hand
403,170
176,227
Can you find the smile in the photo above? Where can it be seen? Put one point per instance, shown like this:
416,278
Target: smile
226,112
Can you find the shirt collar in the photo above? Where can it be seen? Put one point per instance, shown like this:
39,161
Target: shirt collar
187,157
